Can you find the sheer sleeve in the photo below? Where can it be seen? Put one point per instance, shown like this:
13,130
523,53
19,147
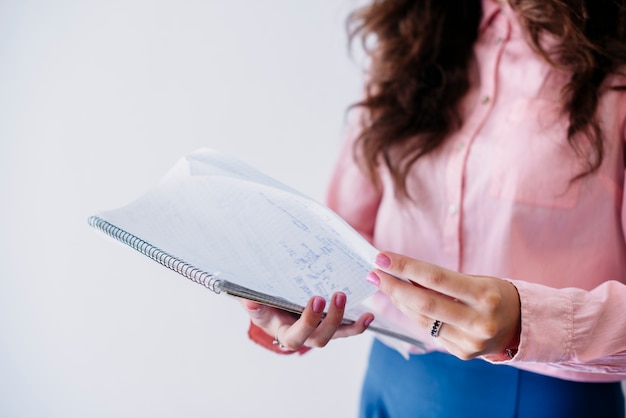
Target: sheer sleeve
351,193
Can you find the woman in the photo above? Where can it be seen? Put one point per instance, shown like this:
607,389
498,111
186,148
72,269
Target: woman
487,160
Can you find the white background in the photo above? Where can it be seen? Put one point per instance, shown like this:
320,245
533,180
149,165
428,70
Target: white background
97,100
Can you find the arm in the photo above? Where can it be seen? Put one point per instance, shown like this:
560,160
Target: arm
351,193
579,330
484,316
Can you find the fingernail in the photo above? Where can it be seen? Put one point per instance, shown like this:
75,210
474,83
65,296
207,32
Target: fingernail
368,321
373,278
382,260
318,304
340,300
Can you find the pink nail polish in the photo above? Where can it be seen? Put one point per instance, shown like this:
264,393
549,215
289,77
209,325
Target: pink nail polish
382,260
340,300
318,304
368,321
373,278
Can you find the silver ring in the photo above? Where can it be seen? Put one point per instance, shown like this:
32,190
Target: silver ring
436,328
276,341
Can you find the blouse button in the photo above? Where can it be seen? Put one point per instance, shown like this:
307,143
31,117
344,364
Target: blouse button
484,100
453,209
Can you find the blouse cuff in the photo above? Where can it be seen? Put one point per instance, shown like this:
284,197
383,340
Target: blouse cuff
546,324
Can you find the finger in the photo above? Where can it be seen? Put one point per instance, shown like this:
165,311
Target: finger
452,339
259,313
295,336
358,327
421,304
266,317
334,326
447,282
462,348
331,322
446,333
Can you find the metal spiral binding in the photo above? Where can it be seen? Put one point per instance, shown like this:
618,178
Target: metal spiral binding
181,267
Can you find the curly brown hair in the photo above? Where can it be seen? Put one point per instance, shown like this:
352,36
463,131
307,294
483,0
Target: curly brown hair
419,53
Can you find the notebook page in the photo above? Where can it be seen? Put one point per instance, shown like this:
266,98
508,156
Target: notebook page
225,217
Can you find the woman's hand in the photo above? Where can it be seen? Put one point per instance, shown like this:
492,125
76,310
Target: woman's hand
312,328
480,315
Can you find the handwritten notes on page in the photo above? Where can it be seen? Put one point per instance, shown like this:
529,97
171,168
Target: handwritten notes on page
223,216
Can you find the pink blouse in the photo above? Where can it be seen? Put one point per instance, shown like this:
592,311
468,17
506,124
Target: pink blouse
496,199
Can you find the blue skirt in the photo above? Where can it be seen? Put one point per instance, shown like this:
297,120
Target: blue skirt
441,385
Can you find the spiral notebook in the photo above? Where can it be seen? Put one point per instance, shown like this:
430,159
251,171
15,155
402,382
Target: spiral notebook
234,230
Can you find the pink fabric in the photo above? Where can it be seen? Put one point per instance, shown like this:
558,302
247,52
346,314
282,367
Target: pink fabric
496,199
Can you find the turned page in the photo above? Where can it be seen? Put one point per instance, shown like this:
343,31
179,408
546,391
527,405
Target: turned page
226,218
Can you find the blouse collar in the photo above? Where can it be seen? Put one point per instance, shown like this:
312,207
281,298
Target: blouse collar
491,8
